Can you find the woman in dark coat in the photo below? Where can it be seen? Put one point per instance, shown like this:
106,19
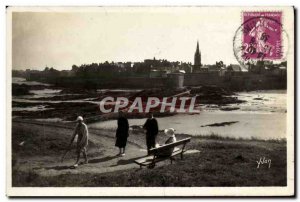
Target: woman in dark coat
122,133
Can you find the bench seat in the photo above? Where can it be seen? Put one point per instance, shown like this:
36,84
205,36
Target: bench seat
154,156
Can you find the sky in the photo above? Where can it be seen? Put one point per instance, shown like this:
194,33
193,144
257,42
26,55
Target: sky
60,39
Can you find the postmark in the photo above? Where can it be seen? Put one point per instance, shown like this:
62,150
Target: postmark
260,37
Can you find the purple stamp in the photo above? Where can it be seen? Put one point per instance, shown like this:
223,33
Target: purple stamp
261,36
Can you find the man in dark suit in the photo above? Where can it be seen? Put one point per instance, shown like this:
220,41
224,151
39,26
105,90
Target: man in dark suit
151,128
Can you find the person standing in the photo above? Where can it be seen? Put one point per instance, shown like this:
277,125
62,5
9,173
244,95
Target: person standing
151,127
82,140
122,133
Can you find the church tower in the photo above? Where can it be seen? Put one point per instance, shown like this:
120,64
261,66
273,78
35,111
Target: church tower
197,59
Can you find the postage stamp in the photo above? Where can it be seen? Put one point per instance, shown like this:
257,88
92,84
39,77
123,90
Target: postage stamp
262,35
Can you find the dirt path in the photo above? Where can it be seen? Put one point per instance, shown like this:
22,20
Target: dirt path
102,155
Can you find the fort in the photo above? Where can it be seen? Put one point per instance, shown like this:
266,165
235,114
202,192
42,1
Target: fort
157,73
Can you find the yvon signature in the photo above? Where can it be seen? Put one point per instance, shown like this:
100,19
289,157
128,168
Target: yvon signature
262,161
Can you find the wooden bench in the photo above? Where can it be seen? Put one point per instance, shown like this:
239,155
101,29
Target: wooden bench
155,153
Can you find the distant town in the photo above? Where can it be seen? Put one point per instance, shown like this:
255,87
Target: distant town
156,73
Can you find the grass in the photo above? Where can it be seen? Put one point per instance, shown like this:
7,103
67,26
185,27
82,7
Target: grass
217,165
221,162
214,136
39,141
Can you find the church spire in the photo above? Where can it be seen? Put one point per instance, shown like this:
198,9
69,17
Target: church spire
197,59
197,50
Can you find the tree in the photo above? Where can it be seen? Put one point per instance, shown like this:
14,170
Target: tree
75,68
220,64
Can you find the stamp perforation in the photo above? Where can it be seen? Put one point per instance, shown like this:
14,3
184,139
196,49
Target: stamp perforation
277,45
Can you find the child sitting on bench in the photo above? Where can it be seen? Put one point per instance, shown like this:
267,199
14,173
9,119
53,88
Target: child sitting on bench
171,133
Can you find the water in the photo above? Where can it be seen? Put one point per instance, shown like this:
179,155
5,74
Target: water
258,125
54,101
264,101
18,80
263,116
43,93
33,108
118,90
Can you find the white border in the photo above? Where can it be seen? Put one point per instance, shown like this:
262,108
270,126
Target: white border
161,191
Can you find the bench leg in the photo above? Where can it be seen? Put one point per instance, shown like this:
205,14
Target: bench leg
181,155
151,166
172,159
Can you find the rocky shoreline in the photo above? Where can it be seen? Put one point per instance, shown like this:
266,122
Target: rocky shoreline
69,103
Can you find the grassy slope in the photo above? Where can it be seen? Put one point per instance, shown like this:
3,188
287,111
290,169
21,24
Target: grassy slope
221,162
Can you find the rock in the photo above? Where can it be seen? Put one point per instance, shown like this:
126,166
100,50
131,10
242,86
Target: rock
240,158
229,108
